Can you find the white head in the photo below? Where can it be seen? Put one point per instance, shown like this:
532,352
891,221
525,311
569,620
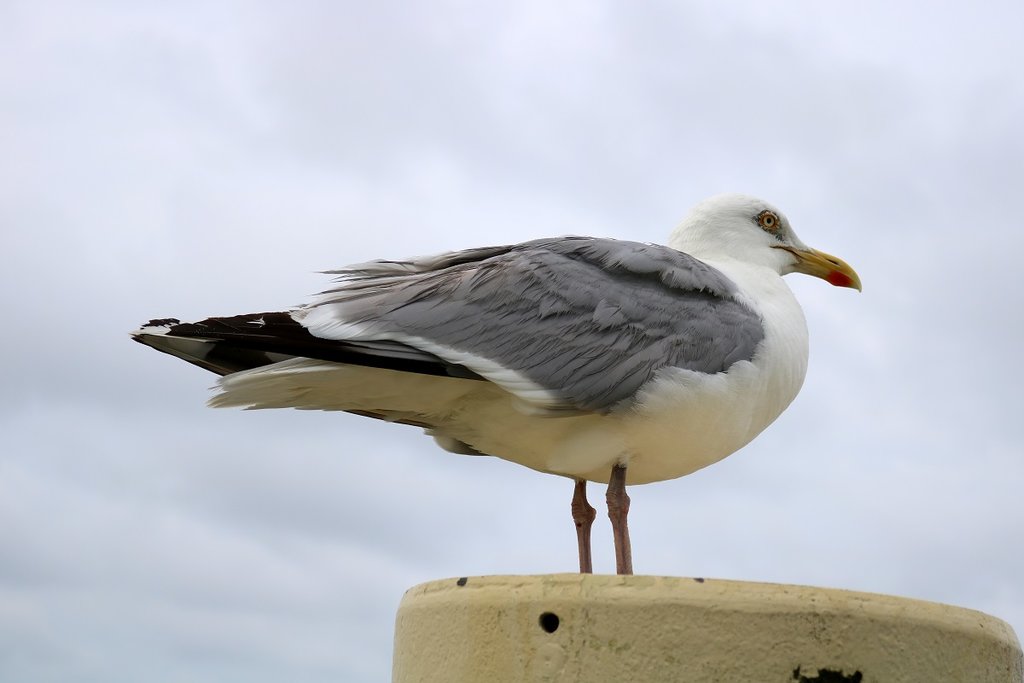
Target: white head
744,228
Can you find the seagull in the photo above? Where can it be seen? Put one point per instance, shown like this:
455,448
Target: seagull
600,360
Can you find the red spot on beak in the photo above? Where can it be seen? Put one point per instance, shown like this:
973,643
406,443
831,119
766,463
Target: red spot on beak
839,279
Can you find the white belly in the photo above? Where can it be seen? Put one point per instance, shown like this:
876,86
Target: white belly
683,422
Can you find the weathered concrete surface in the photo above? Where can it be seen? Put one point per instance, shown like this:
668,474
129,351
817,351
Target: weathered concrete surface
603,629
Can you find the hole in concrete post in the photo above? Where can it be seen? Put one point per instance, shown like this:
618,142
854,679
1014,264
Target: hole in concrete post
827,676
549,622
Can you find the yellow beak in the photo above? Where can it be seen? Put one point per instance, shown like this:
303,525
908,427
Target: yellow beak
833,270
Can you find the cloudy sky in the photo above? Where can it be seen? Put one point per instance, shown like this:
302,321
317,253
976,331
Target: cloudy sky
192,159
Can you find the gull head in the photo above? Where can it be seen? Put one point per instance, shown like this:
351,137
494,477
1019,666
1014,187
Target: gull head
748,229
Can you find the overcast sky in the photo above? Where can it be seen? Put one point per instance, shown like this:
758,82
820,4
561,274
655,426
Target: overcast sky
192,159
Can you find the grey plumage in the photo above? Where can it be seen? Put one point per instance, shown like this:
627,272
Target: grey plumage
590,320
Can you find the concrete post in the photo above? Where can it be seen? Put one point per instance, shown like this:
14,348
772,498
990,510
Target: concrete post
604,629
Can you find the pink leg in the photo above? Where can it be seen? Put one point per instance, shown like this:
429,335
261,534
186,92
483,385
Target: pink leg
618,508
583,515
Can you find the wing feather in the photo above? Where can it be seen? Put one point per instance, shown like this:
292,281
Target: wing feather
572,323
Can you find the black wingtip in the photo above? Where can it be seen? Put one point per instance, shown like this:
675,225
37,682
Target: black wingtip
162,322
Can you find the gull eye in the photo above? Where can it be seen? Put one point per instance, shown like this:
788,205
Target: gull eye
768,220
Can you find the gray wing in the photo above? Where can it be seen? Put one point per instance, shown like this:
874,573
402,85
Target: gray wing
573,323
